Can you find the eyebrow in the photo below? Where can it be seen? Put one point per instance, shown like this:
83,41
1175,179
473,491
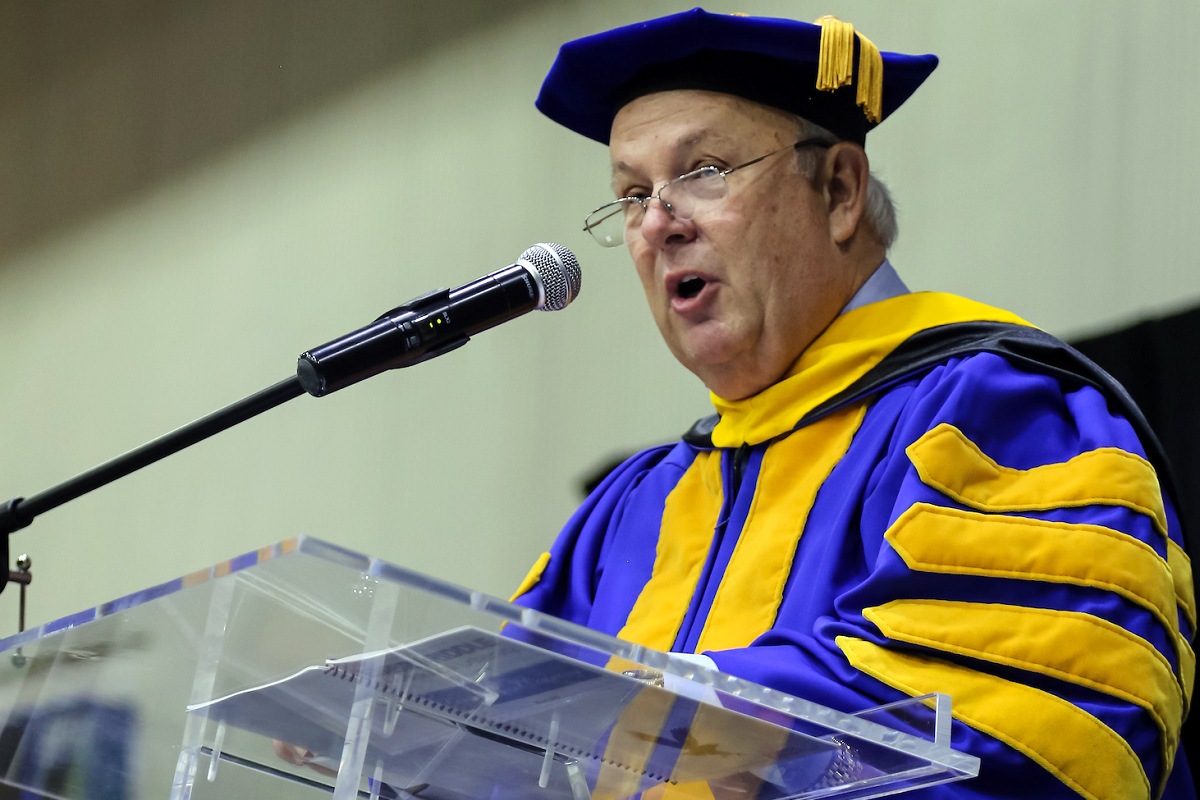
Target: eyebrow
684,144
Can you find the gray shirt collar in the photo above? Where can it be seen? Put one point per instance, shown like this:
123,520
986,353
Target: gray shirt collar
883,285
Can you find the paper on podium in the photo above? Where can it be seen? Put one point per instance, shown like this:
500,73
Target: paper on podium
467,711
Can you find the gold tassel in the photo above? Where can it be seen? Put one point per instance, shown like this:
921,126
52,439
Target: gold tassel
835,66
870,79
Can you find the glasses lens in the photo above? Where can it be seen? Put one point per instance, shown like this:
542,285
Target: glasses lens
689,195
607,224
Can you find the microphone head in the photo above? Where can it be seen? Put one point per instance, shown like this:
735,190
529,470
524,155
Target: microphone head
558,272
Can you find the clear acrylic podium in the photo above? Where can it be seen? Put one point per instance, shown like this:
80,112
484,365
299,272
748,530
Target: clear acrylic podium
385,683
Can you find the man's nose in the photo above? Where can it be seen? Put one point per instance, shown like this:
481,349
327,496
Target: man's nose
660,227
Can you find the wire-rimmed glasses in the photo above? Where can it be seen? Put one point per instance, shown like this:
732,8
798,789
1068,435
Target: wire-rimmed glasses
683,198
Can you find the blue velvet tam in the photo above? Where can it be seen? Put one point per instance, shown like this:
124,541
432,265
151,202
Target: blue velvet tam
776,62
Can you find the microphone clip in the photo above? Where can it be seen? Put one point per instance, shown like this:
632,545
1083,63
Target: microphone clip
429,298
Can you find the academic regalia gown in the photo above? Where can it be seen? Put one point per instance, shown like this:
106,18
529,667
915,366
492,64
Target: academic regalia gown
937,497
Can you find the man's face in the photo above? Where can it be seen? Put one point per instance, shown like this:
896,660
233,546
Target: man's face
740,290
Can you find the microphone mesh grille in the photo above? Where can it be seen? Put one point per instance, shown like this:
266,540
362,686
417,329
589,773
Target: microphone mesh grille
560,273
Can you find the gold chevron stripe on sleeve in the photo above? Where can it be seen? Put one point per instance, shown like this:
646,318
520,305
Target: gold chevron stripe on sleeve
689,520
1185,590
1074,746
1187,671
531,579
934,538
792,471
951,463
1079,648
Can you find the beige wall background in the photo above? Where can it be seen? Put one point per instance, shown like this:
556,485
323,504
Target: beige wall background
159,260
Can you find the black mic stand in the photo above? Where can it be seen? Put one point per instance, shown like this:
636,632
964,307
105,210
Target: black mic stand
19,512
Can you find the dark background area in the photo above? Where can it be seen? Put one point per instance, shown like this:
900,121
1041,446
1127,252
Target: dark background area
1158,362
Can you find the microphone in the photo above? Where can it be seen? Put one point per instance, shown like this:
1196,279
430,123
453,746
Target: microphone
546,276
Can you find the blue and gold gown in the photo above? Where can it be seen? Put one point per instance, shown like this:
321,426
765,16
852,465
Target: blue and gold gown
937,497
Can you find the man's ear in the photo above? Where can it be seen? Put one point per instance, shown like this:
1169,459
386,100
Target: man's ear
846,172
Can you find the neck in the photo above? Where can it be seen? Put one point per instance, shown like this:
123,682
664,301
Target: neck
863,255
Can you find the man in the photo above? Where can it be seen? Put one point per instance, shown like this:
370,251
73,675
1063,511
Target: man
901,493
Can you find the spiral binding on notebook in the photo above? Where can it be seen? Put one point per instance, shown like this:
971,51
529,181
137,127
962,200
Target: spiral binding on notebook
346,673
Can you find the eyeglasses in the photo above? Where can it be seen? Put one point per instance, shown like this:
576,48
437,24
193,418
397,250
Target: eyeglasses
683,198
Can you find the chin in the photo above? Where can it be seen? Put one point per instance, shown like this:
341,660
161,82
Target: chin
705,347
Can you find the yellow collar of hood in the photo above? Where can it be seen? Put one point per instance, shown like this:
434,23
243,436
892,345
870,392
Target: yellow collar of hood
851,345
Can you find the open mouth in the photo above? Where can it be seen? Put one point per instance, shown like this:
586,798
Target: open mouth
690,286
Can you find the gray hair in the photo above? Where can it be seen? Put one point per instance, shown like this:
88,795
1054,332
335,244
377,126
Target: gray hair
879,212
